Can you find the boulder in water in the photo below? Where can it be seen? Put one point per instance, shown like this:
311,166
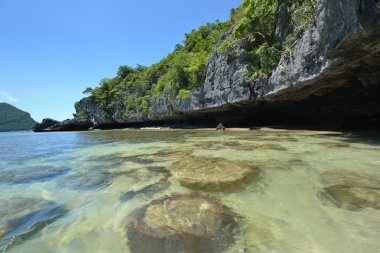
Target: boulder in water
181,223
213,174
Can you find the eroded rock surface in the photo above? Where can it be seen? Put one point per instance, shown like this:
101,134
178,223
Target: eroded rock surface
181,223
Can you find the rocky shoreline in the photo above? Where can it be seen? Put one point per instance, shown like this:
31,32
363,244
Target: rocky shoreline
329,80
50,125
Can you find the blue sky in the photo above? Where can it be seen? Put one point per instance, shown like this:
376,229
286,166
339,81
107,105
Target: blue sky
51,50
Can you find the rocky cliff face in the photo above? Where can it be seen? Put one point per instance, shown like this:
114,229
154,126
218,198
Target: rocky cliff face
332,76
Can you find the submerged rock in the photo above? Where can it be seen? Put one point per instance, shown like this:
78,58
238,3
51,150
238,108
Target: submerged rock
353,197
271,146
232,144
23,217
163,156
141,173
181,223
209,145
148,191
213,174
174,154
204,173
351,179
350,190
297,163
200,173
272,164
32,174
139,160
257,146
213,145
335,145
243,146
87,180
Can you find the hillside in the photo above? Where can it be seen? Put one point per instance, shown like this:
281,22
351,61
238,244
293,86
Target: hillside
273,62
13,119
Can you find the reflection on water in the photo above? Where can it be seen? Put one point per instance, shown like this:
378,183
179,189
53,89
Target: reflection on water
189,191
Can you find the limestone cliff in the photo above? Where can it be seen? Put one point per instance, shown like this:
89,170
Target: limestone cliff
330,75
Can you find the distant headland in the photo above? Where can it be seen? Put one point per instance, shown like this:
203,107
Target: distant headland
14,119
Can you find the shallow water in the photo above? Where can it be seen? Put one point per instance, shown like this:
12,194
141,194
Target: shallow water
73,192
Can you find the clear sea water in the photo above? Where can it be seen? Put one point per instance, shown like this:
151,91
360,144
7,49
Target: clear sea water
72,192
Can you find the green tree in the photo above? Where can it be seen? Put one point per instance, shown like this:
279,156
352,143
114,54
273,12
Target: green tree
184,69
124,71
88,90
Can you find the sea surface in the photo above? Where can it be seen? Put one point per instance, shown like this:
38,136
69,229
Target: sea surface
75,191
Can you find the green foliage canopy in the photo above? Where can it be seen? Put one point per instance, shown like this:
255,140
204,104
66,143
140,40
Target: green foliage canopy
178,73
184,70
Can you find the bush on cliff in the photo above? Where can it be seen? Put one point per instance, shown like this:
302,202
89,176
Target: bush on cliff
184,69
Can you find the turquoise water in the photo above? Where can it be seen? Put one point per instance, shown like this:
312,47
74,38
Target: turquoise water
73,192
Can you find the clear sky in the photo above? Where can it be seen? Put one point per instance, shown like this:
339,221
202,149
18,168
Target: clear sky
51,50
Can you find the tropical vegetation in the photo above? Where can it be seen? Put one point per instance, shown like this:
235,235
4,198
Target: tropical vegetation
184,69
